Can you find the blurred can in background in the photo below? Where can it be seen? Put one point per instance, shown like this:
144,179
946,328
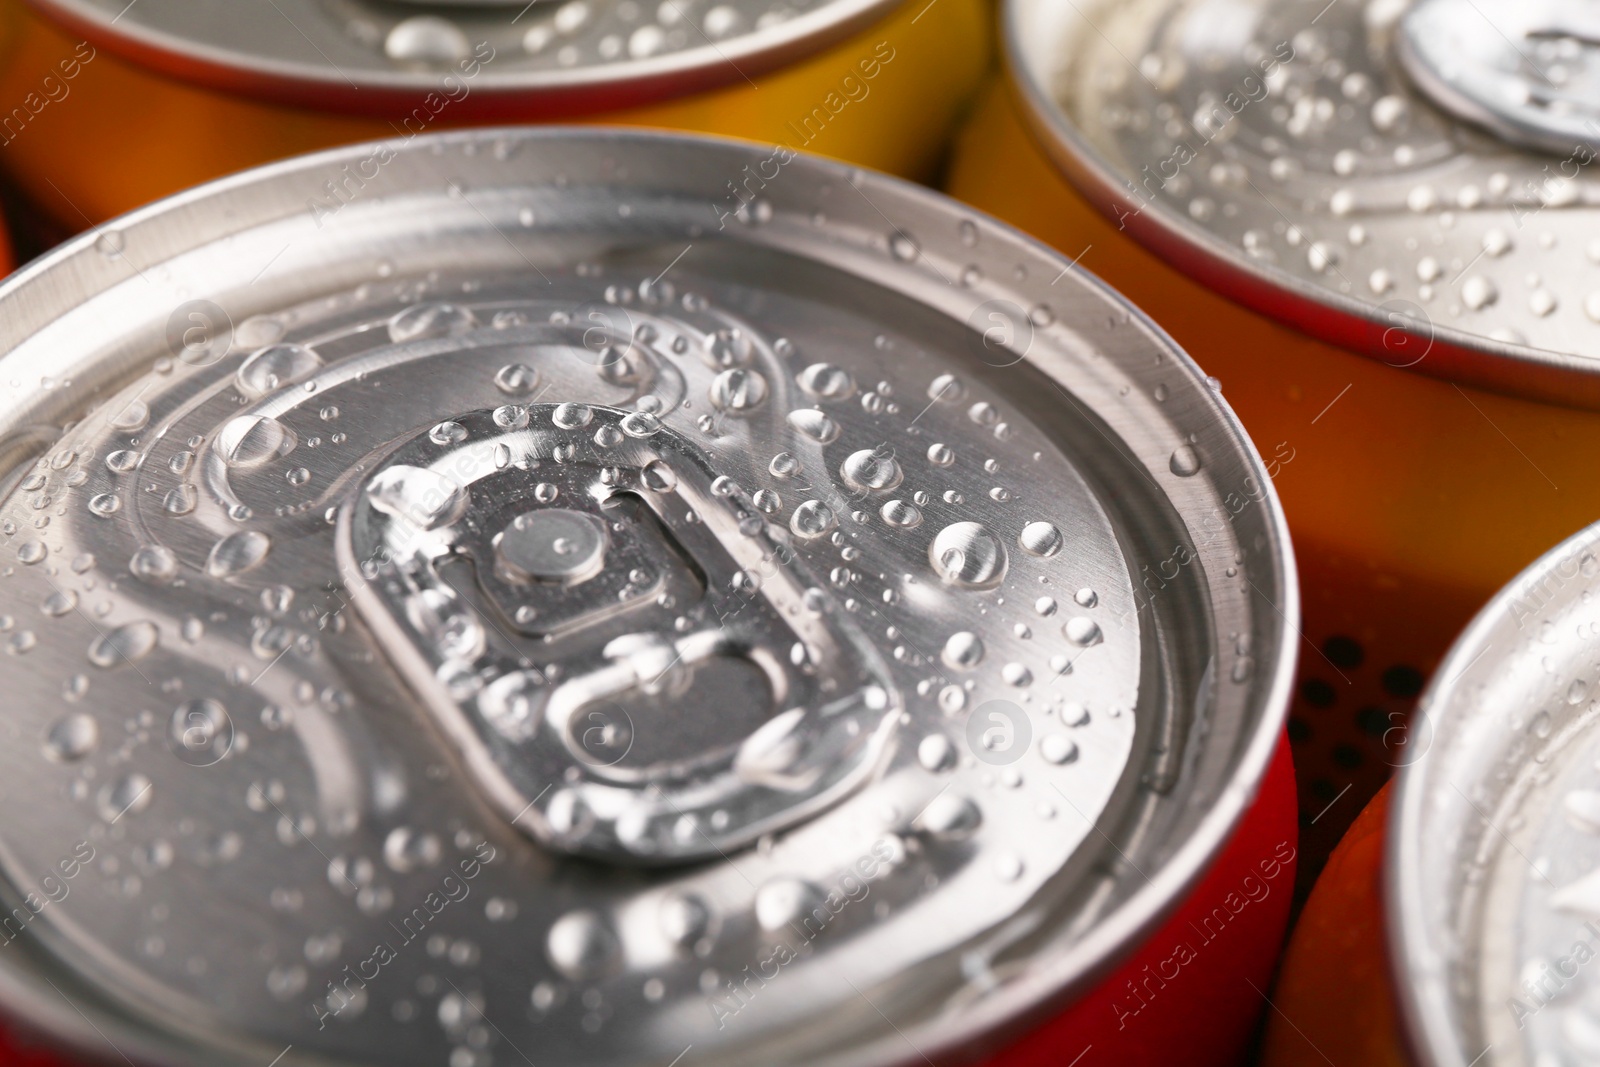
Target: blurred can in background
1394,281
1459,921
536,606
105,106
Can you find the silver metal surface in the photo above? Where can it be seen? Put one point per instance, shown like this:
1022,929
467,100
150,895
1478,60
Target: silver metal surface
543,58
868,693
1525,71
1493,899
1279,153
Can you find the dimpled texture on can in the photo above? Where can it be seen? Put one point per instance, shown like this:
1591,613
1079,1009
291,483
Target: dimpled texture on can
294,664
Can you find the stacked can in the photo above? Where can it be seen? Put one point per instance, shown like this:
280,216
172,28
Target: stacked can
1486,897
1400,303
549,603
110,105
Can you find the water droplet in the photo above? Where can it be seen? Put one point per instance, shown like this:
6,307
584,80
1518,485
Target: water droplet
903,246
948,816
968,554
1185,461
1058,748
1016,674
448,433
237,553
426,39
129,795
826,381
32,552
657,477
572,416
250,440
783,901
59,603
963,651
738,390
274,367
1478,292
582,946
122,461
1389,113
421,496
511,417
684,918
812,519
1081,630
1040,539
941,455
867,470
133,417
71,738
902,514
936,753
430,320
519,379
181,500
130,642
815,425
154,564
640,424
406,849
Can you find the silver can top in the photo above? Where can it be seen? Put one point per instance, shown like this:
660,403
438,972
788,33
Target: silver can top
545,58
1355,169
1493,867
545,604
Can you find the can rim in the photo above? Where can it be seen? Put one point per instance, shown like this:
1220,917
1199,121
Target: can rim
1025,1002
535,95
1453,355
1416,965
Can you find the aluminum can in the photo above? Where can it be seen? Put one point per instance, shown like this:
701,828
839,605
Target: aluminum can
229,84
540,611
1478,881
1399,301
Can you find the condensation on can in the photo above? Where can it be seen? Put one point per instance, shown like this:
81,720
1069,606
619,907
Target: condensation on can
1413,351
226,86
548,604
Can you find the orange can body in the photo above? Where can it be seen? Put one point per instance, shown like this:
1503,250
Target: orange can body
1336,972
91,135
1411,499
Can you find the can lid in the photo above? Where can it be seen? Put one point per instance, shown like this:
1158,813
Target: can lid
1283,154
1494,834
455,59
545,604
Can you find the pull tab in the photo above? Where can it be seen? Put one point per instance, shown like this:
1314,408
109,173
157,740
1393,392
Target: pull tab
1526,71
633,663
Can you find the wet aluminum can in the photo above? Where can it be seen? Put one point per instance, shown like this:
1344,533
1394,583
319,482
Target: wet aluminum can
222,85
1400,303
1477,876
541,612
